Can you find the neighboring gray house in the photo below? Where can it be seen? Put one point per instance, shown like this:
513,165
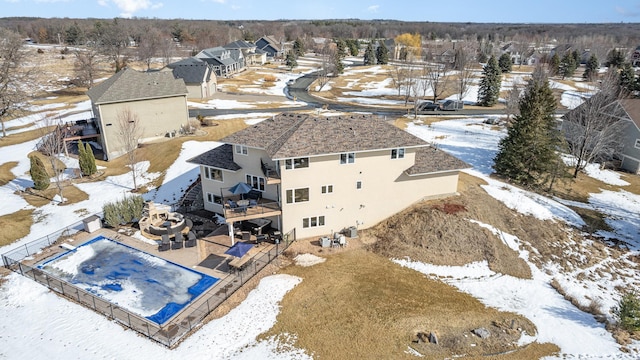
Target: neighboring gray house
271,46
198,76
629,110
224,62
157,99
252,55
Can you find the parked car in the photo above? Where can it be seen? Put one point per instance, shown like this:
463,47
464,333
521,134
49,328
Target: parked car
451,105
428,106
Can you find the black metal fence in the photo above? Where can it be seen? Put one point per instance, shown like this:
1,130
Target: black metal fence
168,334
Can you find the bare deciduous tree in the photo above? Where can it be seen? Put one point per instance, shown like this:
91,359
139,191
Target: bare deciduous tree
13,76
438,79
513,99
129,134
86,66
150,40
52,145
592,133
166,50
464,57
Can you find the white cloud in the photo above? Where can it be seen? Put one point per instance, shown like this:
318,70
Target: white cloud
373,8
129,7
50,1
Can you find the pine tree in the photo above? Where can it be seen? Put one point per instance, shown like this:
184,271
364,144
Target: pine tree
554,64
38,173
341,52
382,53
82,159
291,61
490,83
369,55
628,80
91,160
505,63
527,155
591,68
615,58
298,47
567,66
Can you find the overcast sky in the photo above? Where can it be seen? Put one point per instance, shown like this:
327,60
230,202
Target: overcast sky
503,11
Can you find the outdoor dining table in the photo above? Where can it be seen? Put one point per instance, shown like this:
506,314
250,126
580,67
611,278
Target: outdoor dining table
243,203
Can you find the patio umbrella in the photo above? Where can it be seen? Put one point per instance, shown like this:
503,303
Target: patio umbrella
239,249
240,188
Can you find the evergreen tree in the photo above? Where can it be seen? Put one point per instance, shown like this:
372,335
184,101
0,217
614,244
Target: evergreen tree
576,58
490,83
615,58
628,312
291,61
554,64
567,66
82,159
298,48
369,55
341,52
382,53
527,155
591,68
354,46
628,81
505,63
38,173
91,160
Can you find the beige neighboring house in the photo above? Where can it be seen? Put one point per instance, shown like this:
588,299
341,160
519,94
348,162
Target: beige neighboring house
322,175
159,101
198,76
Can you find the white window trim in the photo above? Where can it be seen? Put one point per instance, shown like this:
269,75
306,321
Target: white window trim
347,158
292,161
325,189
400,152
241,150
317,218
293,196
209,168
257,178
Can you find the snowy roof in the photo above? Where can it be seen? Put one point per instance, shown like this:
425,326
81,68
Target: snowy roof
128,85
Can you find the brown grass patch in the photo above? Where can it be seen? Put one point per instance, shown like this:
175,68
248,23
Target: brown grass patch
5,172
21,137
360,305
40,198
15,226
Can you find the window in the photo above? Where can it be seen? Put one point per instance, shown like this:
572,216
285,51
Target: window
358,185
397,153
637,143
214,199
297,195
296,163
313,221
212,174
327,189
347,158
256,182
242,150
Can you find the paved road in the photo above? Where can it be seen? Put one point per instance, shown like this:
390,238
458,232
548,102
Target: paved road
300,90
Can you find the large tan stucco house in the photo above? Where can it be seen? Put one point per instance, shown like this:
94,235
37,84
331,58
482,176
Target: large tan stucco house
157,98
321,175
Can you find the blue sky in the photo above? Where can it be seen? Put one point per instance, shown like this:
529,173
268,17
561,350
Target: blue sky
518,11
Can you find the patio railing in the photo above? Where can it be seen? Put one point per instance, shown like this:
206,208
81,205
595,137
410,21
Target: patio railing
181,324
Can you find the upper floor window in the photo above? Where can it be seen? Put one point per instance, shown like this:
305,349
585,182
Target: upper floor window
296,163
242,150
327,189
297,195
347,158
313,221
637,143
358,185
397,153
256,182
212,174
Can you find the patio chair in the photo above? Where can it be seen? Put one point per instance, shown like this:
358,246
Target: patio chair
246,236
232,204
163,247
261,238
165,239
190,240
189,223
177,243
253,202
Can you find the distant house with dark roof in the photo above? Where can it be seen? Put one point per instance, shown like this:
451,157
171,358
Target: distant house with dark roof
156,98
252,55
271,46
224,62
635,57
198,76
318,175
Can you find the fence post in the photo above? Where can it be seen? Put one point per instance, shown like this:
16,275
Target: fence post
94,302
26,249
148,332
78,295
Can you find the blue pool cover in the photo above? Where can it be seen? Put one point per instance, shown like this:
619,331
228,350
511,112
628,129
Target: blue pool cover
132,279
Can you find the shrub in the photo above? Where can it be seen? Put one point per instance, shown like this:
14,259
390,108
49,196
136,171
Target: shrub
628,312
124,211
269,78
38,173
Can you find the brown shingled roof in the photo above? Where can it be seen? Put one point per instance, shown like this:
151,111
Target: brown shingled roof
431,160
296,135
220,157
128,85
